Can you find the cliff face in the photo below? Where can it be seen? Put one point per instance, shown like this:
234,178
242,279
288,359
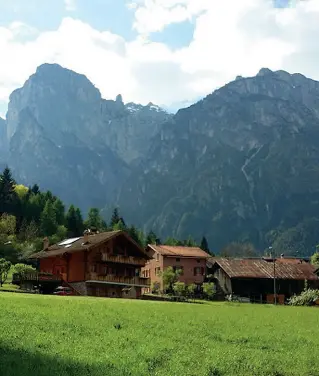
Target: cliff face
235,165
3,144
241,164
68,139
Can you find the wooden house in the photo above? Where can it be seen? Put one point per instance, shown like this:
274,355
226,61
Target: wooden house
104,264
255,278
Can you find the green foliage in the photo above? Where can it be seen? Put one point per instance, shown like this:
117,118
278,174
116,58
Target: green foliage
21,191
170,276
115,217
59,210
48,222
95,221
7,224
29,231
209,290
307,298
8,196
4,270
204,245
156,287
236,249
191,289
133,232
150,238
315,259
74,221
23,268
172,241
179,288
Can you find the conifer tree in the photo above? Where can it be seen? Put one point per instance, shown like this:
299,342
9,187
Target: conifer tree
48,223
8,197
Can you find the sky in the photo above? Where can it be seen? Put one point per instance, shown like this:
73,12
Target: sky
169,52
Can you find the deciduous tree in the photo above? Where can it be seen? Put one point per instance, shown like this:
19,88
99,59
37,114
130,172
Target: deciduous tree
4,270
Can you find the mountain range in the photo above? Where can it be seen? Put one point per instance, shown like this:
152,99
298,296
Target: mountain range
239,165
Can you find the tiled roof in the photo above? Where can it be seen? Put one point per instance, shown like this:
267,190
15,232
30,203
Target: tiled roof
260,268
179,251
78,245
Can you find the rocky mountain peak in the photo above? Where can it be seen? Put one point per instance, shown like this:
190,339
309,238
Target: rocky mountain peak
119,98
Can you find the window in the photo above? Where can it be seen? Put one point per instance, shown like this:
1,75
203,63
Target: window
198,270
157,271
178,259
198,261
93,268
157,256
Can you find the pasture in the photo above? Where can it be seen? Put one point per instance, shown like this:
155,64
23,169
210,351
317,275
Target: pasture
66,336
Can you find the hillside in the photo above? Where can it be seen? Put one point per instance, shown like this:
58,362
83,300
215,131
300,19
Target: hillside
242,164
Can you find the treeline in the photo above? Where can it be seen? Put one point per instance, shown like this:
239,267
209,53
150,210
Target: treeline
27,215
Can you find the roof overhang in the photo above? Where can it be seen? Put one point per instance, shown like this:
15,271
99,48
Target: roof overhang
115,283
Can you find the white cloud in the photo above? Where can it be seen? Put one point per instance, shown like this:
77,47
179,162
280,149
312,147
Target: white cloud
230,38
70,5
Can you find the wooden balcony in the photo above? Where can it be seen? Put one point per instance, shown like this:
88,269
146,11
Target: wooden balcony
141,281
123,259
36,277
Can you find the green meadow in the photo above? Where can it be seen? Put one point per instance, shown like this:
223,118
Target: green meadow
65,336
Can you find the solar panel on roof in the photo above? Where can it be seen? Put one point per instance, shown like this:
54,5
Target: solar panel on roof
69,241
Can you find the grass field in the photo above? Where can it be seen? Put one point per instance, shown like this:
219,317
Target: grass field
66,336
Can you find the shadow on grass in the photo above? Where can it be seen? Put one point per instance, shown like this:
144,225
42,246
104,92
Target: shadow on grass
18,362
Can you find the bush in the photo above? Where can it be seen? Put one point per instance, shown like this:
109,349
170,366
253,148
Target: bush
209,290
179,288
156,288
306,298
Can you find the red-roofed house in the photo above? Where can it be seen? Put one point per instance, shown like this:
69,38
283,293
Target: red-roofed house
191,261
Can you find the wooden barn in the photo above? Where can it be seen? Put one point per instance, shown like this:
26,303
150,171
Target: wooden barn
258,278
104,264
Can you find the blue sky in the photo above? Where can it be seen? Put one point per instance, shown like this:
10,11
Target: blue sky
170,52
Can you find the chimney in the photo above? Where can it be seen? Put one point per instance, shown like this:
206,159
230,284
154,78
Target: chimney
46,243
85,236
157,241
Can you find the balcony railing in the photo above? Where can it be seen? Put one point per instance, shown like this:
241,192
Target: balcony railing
123,259
119,279
36,277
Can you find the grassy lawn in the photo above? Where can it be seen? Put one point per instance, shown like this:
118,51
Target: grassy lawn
66,336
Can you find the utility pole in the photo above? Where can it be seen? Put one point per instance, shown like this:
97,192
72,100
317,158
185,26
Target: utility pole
274,263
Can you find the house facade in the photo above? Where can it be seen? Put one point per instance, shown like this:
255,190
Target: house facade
190,260
257,278
104,264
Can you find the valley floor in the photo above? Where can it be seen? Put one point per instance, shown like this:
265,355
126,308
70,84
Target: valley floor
66,336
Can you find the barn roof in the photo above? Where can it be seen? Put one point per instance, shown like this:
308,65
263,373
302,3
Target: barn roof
264,269
72,245
179,251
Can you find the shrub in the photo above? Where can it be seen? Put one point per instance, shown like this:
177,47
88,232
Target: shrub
306,298
156,288
191,289
179,288
209,290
